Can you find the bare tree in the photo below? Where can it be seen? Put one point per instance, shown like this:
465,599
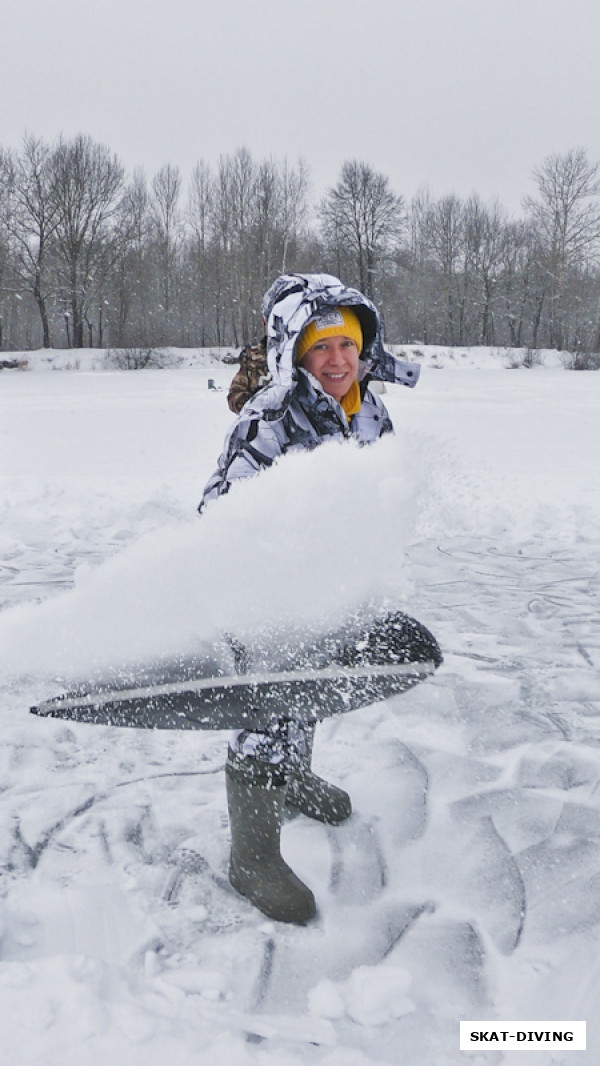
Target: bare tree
167,225
246,222
243,178
87,184
485,240
241,241
418,305
566,215
129,263
31,221
200,207
200,202
362,214
517,280
223,243
131,295
267,212
445,228
294,209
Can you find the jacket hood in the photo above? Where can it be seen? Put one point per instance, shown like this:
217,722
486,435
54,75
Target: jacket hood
293,300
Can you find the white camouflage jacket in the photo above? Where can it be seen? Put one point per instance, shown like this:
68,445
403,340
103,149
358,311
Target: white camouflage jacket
293,411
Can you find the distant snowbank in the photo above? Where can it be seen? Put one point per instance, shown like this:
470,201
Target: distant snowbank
428,355
110,359
443,357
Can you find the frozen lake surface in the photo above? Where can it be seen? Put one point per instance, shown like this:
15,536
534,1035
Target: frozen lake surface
467,882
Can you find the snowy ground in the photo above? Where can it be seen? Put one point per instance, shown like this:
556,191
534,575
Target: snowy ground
466,884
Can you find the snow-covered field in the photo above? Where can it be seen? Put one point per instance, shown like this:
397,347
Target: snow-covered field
430,355
467,882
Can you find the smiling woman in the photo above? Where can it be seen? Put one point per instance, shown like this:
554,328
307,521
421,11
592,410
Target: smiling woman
329,349
324,345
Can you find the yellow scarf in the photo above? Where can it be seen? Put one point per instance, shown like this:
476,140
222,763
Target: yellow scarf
352,402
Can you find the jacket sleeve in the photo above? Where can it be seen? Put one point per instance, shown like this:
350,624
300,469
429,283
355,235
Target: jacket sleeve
239,392
251,376
251,446
372,421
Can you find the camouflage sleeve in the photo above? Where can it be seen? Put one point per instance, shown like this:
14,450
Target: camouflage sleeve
251,376
239,391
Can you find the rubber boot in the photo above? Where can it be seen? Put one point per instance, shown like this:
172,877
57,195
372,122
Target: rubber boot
256,798
312,795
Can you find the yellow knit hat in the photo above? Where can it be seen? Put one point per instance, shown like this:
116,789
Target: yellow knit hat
339,322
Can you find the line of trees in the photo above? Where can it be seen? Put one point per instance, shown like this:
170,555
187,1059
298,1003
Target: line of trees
92,257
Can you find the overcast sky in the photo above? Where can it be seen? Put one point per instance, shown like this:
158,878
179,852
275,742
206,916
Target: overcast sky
460,95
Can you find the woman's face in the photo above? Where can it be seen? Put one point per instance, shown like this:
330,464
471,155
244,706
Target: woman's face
334,363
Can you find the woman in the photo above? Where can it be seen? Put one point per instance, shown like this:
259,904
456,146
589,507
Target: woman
324,346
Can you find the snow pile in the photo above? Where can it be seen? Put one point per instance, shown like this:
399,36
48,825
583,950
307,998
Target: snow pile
480,357
372,995
308,541
108,359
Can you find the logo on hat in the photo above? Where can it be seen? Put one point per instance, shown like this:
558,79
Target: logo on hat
329,320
